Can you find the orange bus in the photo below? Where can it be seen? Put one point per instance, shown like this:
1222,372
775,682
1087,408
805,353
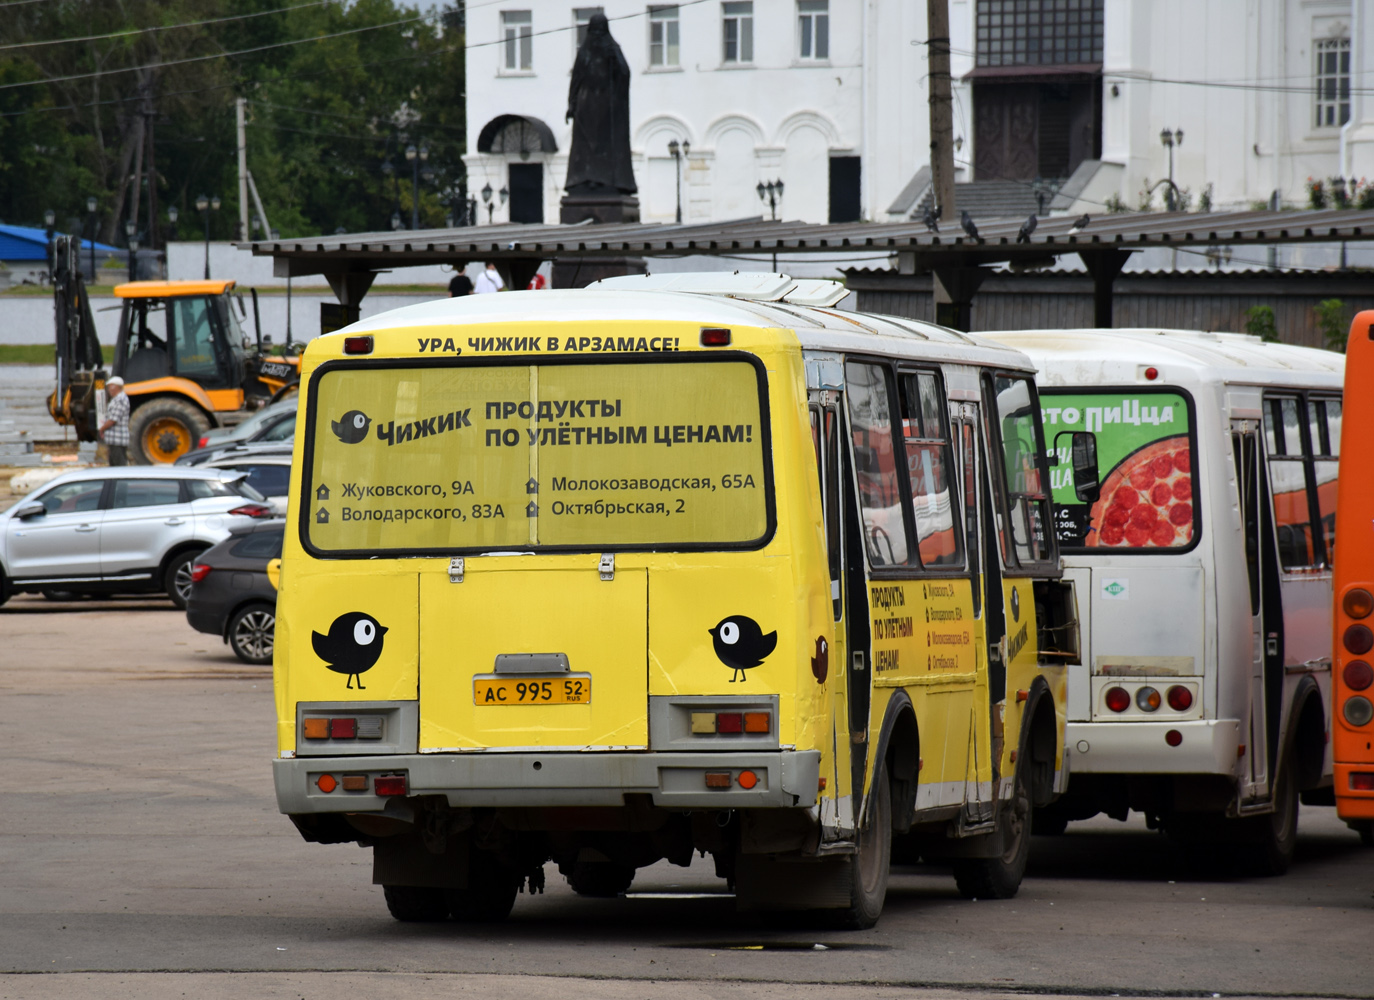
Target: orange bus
1352,730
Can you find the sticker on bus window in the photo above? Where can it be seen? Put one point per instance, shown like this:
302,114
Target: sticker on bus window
1145,497
445,458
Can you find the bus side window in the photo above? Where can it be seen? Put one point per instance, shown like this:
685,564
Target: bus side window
929,470
1324,417
967,437
1014,418
875,466
1283,437
825,439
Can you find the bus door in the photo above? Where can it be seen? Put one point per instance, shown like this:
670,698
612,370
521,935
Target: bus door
1245,445
827,435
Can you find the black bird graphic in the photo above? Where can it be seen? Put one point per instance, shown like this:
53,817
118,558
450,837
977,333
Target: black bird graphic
352,646
352,427
1027,227
970,229
741,644
932,219
1081,223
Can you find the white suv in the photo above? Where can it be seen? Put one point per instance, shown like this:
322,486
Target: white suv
132,529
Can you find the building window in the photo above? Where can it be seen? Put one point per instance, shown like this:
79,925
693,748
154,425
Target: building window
739,31
1333,82
814,23
582,16
663,36
1039,32
516,30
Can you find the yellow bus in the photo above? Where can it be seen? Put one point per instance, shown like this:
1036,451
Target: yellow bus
668,565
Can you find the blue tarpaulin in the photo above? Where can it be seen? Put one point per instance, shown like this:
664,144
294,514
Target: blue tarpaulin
27,243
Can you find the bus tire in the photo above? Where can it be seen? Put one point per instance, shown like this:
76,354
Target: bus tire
490,894
416,903
871,865
163,429
1270,840
1000,877
600,879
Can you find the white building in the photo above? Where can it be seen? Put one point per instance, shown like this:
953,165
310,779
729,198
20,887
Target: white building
829,97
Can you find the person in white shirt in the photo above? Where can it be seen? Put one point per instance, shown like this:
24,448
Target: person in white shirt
489,281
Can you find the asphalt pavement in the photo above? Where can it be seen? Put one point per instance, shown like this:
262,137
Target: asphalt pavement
141,853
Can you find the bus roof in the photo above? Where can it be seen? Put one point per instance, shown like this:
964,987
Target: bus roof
818,328
1094,356
169,289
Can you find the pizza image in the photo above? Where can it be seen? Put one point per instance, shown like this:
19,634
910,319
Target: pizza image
1147,500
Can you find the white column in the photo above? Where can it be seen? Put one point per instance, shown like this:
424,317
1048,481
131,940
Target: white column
1360,137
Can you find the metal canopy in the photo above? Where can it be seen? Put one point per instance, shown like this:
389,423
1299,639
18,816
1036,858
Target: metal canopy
919,249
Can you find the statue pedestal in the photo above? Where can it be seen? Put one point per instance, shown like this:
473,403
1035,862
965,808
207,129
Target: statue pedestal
583,271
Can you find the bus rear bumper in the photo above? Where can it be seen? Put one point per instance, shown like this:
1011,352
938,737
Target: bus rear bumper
1208,746
781,779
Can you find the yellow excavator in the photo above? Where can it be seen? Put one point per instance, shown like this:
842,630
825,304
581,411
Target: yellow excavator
186,362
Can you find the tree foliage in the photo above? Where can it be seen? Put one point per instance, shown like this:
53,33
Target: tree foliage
328,104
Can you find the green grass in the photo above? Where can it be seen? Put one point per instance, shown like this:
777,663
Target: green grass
37,354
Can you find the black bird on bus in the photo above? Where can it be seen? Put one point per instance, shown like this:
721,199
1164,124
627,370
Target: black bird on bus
740,644
352,646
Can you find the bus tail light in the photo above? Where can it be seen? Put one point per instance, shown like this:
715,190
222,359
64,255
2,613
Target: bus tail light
1357,675
1173,737
1147,699
389,784
730,722
357,345
757,722
1362,781
1180,698
1358,639
714,337
1118,699
315,729
1358,710
1358,603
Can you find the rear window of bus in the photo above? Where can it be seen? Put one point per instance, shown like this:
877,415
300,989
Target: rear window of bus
1146,463
433,458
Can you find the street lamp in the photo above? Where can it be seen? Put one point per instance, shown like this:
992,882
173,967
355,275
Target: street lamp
90,217
131,233
396,222
486,200
771,193
173,213
679,153
49,223
416,157
1170,140
205,206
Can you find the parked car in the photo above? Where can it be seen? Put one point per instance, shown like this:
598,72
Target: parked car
135,529
267,470
231,596
272,424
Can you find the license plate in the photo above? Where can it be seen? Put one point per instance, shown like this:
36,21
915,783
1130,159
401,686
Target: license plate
562,690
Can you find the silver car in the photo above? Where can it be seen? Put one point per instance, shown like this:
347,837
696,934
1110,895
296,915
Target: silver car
121,530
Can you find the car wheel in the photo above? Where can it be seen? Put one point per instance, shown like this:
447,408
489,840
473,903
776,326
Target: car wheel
4,588
176,580
251,632
163,430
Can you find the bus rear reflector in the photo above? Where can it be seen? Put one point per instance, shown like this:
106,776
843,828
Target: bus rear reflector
718,779
1118,699
316,729
1173,737
1357,675
389,784
1358,603
748,779
357,345
1358,639
355,782
326,783
1362,781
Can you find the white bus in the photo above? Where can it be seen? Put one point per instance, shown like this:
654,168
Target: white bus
1194,486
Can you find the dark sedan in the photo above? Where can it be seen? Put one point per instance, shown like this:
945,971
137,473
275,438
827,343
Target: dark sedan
231,596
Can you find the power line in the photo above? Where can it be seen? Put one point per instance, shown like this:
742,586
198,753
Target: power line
162,27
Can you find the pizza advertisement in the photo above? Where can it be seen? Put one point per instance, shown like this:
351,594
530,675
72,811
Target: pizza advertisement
1145,461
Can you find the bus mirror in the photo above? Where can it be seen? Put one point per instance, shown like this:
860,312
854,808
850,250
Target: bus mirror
1085,477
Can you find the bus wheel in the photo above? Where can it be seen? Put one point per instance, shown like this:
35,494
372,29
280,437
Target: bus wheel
163,430
1271,839
1000,877
490,894
870,867
600,879
416,903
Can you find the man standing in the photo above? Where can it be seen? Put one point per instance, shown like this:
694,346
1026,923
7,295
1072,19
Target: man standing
489,280
459,286
115,430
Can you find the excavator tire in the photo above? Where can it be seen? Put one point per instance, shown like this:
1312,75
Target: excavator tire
164,429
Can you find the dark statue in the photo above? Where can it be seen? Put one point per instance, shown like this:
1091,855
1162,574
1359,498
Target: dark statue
599,108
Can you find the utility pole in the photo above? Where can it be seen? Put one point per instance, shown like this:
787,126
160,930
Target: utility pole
941,108
241,115
149,114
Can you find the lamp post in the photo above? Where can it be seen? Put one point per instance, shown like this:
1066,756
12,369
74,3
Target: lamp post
416,157
206,206
389,171
771,193
49,223
486,200
396,222
131,233
90,217
1170,140
173,213
679,153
